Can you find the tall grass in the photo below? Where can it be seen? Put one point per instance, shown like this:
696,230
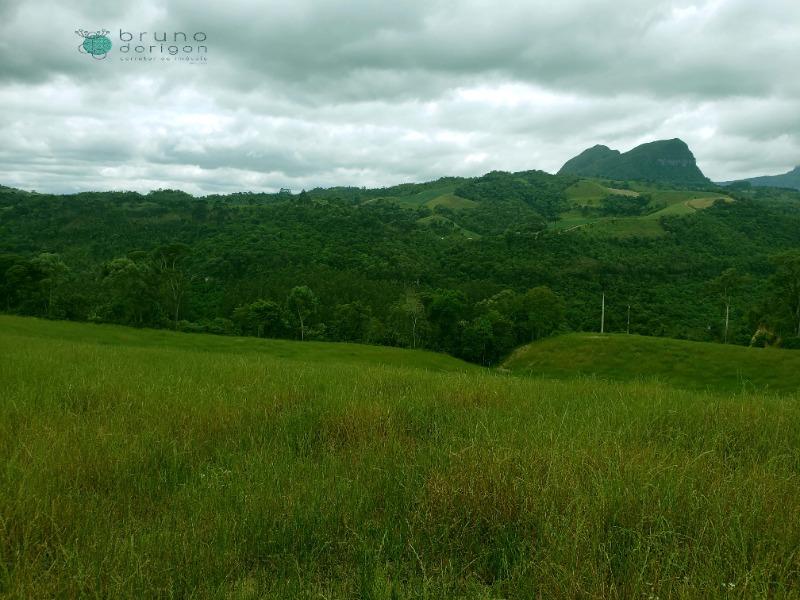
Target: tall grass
143,472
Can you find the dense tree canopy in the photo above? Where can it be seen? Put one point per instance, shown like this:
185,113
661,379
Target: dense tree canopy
371,266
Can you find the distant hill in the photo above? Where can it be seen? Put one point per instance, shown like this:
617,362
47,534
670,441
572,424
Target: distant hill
454,256
668,161
787,180
681,363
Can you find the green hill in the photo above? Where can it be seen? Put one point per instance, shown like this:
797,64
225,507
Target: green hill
590,162
229,264
693,365
668,161
785,180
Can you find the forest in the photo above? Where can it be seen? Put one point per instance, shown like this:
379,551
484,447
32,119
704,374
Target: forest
471,267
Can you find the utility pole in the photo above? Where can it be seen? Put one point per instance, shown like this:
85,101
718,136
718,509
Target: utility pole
603,315
629,319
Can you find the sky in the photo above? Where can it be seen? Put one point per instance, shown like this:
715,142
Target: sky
317,93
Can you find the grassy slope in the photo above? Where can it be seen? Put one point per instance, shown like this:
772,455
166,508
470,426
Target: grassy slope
451,201
434,219
315,352
592,193
422,198
586,192
136,465
692,365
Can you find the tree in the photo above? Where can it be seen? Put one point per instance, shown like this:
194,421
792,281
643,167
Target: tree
200,210
302,303
22,284
351,321
786,285
487,338
264,318
477,341
53,273
543,310
446,311
413,311
129,291
7,285
508,304
725,286
169,264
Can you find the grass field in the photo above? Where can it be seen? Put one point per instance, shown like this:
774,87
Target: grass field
588,192
426,198
145,464
456,228
585,192
311,352
593,192
686,204
692,365
451,201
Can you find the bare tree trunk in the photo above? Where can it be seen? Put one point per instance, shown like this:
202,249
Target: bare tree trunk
176,290
727,321
603,316
797,316
177,296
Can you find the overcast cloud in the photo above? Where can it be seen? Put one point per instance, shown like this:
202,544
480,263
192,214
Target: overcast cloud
316,93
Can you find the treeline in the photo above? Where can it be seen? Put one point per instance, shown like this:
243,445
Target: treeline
150,290
440,320
367,270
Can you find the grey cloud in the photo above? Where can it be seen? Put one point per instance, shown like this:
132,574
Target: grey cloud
589,47
315,92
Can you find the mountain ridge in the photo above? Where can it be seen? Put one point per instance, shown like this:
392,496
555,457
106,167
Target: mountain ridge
669,161
791,179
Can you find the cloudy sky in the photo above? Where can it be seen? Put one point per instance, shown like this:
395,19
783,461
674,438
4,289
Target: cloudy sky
313,93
